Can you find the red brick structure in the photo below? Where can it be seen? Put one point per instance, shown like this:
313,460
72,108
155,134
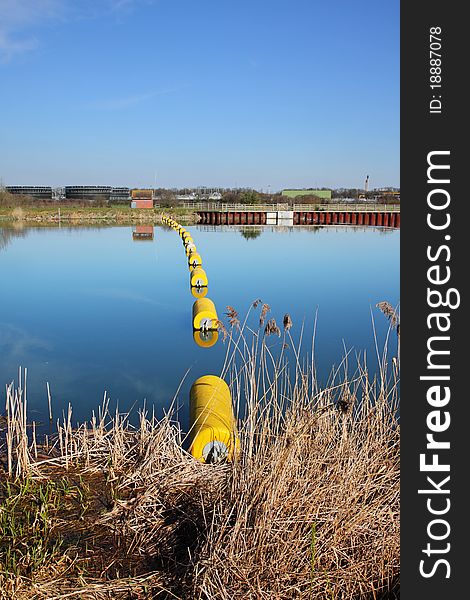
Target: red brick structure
142,199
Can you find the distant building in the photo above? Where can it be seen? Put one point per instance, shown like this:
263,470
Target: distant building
87,192
35,191
200,193
141,198
120,194
391,195
323,194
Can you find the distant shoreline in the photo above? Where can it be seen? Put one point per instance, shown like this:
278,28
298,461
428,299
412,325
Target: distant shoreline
80,214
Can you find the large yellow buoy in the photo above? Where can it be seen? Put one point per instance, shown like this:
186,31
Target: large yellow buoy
194,260
198,278
206,339
213,435
204,314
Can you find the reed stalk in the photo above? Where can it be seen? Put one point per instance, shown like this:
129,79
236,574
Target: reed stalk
309,509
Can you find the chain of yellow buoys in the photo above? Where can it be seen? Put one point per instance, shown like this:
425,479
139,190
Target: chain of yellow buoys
213,435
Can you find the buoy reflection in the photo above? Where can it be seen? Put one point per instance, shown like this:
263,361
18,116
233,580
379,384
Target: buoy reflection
199,292
205,339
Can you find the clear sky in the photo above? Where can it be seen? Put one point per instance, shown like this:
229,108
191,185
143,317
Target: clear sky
261,93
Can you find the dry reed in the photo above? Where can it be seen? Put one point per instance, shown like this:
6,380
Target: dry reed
309,510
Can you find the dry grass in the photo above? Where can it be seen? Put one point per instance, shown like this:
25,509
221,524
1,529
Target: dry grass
18,213
309,510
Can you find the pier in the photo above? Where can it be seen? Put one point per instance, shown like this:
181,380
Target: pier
374,215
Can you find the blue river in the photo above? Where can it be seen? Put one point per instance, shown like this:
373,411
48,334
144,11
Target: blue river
90,310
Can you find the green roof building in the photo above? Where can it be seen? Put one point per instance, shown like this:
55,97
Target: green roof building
323,194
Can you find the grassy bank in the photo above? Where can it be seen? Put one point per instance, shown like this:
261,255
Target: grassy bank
69,214
309,510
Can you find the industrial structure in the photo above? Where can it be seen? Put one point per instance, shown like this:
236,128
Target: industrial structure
145,198
34,191
142,198
120,194
366,214
386,195
87,192
97,192
200,193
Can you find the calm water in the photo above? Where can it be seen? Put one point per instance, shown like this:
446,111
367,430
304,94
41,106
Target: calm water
90,310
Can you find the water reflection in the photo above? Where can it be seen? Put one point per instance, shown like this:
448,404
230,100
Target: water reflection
199,292
246,229
110,314
142,232
206,339
7,234
251,233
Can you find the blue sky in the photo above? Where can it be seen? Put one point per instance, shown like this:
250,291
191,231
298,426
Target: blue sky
261,93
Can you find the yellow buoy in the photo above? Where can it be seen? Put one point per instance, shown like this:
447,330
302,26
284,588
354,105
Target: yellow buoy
213,436
204,314
190,249
198,278
188,240
194,260
206,339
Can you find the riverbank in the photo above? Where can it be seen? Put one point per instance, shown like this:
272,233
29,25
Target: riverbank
107,215
309,510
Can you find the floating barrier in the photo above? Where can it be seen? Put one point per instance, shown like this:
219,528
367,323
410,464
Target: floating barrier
198,278
194,260
206,339
205,318
213,435
204,314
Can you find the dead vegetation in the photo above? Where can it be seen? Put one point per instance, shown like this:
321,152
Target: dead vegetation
310,509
